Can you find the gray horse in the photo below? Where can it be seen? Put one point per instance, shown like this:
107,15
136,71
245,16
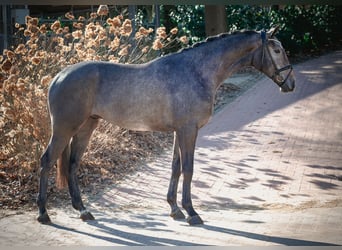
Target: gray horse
171,93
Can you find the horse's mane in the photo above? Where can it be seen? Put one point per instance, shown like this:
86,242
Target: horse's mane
218,37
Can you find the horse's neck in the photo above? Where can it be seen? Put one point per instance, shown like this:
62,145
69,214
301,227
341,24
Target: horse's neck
228,57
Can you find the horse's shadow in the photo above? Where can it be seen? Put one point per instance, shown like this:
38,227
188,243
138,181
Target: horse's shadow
267,238
108,231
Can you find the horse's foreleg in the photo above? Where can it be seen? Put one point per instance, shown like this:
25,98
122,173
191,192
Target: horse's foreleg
187,139
78,146
48,159
176,213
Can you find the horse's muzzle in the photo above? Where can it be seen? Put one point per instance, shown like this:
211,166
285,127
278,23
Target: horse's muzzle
288,86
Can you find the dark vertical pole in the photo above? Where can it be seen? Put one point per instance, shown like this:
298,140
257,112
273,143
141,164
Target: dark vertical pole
215,19
156,16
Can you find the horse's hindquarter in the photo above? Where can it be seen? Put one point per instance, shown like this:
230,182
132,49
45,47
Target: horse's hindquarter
71,95
146,97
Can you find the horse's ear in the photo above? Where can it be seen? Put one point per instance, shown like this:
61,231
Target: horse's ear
271,33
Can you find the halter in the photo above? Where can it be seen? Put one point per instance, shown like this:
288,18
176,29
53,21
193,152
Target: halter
276,77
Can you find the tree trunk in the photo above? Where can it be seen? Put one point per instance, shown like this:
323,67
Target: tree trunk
215,19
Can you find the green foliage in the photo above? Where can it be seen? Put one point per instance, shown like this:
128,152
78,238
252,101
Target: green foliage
309,29
303,29
189,19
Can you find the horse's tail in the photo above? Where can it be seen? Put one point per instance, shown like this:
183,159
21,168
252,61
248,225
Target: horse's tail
63,164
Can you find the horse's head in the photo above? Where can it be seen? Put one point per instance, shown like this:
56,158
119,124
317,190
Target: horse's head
272,60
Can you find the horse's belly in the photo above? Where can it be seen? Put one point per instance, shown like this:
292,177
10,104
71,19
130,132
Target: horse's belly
145,127
138,121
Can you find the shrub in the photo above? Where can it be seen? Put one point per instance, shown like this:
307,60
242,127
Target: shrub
42,51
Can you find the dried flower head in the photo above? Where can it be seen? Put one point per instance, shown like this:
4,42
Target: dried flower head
59,31
102,35
35,60
126,27
143,32
78,25
77,34
10,54
56,25
103,10
70,16
116,22
33,46
93,15
27,20
115,44
21,80
66,48
123,51
33,21
157,45
6,65
43,28
78,46
184,40
174,31
45,81
33,29
109,21
27,32
161,33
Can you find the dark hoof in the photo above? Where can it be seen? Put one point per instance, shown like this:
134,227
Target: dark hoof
177,215
44,219
194,220
85,215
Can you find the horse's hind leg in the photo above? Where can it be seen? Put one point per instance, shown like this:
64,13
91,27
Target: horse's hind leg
78,146
48,159
176,213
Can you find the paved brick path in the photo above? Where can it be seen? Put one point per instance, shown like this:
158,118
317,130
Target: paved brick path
268,170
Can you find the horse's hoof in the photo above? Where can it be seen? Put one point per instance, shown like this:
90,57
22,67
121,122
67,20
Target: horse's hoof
194,220
85,215
177,215
44,219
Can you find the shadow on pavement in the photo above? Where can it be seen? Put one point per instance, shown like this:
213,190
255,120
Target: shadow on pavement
116,236
267,238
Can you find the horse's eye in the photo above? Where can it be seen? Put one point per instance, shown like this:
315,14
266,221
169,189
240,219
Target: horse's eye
277,51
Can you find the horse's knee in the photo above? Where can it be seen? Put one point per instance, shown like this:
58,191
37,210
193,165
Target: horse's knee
170,198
